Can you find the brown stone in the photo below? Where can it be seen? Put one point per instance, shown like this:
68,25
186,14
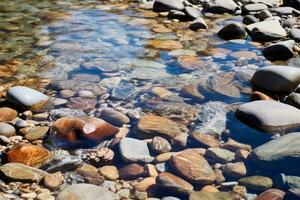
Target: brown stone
90,174
205,140
31,155
193,167
165,44
146,183
53,181
151,125
189,62
192,91
171,182
209,188
256,95
235,170
163,157
150,170
233,145
241,155
109,172
131,171
95,129
271,194
7,114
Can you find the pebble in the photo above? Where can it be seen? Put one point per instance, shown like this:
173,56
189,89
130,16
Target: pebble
220,155
53,181
7,130
7,114
160,145
109,172
256,183
131,171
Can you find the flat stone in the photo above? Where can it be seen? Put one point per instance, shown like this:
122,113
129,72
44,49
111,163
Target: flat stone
36,133
277,78
173,183
114,117
151,125
27,98
206,140
266,30
280,154
165,44
221,6
7,114
256,183
167,5
21,172
86,192
193,167
271,194
235,170
31,155
270,118
7,130
53,181
234,146
134,150
131,171
220,155
212,196
192,91
90,174
280,50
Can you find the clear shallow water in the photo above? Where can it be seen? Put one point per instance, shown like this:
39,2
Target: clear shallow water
105,50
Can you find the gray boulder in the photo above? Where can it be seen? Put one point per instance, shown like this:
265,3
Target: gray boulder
266,30
254,7
221,6
269,116
282,154
277,78
280,50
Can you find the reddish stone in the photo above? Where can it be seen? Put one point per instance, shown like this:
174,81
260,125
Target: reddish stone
28,154
7,114
131,171
271,194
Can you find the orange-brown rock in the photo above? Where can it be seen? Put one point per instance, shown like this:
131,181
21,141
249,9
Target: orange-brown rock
209,188
193,167
165,44
271,194
72,129
53,181
28,154
7,114
174,183
233,145
145,184
256,95
206,140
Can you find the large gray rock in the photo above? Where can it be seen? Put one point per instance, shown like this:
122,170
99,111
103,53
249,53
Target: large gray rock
221,6
269,116
134,150
27,98
280,50
167,5
86,192
282,154
266,30
277,78
254,7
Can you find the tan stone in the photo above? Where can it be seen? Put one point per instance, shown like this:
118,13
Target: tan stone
90,174
206,140
53,181
174,183
146,183
7,114
163,157
165,44
235,170
109,172
150,170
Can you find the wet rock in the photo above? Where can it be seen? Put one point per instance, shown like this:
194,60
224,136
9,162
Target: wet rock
102,65
173,183
280,154
7,130
250,19
62,161
27,98
205,139
266,30
192,91
270,118
212,196
293,99
66,112
82,104
167,5
145,184
235,170
280,50
28,154
220,155
295,34
36,133
198,23
53,181
131,171
233,31
165,44
233,145
109,172
134,150
7,114
285,11
76,130
151,125
21,172
221,6
271,194
212,118
86,192
193,167
256,183
160,145
147,73
90,174
254,7
114,117
277,78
